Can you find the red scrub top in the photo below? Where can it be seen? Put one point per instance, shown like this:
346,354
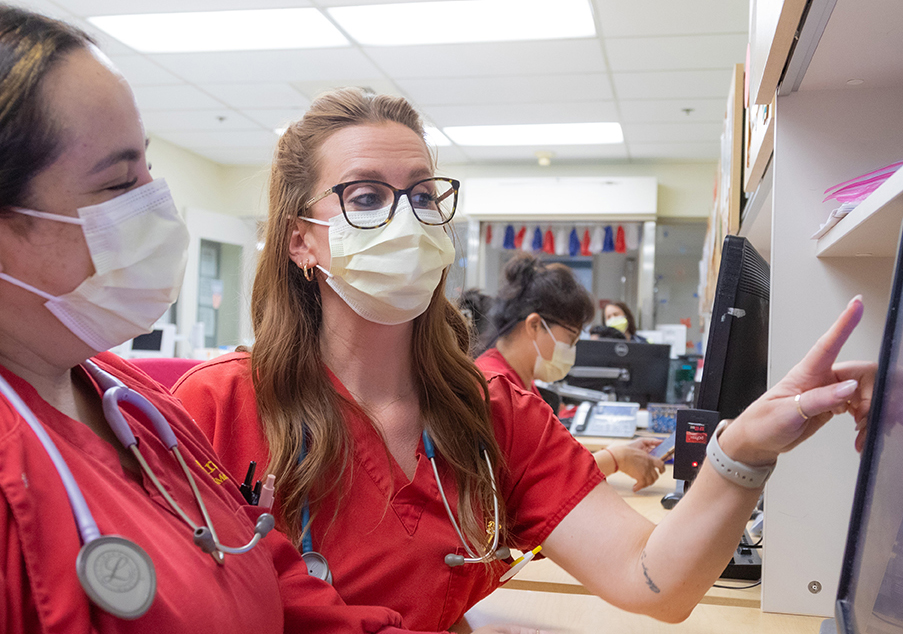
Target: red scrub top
388,541
39,540
492,362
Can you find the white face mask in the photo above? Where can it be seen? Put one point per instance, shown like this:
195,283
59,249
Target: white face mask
138,244
556,368
387,275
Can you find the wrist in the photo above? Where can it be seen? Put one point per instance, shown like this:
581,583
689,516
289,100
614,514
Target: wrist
740,473
737,445
614,459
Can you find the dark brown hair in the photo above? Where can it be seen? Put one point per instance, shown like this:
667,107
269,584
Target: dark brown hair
631,322
30,47
550,290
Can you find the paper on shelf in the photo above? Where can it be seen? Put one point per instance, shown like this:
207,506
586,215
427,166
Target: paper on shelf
836,216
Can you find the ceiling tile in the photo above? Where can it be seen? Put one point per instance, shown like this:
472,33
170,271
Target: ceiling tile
182,97
505,89
257,95
257,155
209,139
673,84
517,113
672,132
272,118
494,59
140,71
268,66
676,53
672,110
157,121
87,8
676,151
379,85
658,17
448,156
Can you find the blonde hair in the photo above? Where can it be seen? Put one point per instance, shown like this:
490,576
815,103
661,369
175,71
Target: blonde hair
297,403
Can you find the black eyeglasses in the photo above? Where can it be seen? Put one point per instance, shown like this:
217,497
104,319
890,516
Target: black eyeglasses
372,204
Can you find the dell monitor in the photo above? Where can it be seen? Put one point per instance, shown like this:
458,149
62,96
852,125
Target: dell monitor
636,372
735,367
870,592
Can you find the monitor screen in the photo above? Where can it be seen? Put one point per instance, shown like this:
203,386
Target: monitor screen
870,593
636,372
150,341
735,367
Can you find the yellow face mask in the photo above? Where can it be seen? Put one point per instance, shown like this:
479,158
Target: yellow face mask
618,323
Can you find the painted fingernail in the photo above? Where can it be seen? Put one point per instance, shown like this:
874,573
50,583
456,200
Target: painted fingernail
857,298
846,388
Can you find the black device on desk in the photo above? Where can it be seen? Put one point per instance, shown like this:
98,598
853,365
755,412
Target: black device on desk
734,372
870,592
631,371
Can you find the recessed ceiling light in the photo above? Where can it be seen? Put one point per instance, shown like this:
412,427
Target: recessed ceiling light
456,21
192,32
855,82
543,134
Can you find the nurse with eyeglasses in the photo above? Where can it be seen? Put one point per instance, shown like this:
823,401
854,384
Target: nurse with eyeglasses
358,355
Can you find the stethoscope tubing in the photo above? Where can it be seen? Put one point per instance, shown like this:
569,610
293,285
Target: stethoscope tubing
87,527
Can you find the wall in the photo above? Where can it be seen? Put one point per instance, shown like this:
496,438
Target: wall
685,190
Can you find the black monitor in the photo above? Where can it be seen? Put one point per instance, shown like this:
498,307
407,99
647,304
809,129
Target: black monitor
870,592
636,372
735,367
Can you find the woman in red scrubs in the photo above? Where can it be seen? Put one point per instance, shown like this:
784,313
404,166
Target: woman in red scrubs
92,252
360,372
539,313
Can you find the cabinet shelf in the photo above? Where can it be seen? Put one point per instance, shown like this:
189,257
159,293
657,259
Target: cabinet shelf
872,229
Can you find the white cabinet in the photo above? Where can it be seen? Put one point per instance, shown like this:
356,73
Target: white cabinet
822,138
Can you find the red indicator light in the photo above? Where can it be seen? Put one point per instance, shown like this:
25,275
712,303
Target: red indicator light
695,464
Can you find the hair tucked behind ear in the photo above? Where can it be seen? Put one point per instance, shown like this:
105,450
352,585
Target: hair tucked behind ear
551,290
287,368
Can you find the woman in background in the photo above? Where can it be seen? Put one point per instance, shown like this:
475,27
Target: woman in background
618,316
539,313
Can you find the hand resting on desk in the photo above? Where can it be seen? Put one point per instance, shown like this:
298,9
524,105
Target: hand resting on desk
633,459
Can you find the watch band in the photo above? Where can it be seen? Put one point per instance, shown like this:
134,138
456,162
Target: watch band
737,472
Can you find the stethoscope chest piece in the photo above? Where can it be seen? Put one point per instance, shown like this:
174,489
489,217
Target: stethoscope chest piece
317,566
118,576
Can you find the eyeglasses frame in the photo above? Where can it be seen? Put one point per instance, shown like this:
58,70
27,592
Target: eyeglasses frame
339,189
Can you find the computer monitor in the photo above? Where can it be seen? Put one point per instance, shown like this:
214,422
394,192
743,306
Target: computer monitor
870,592
735,366
158,343
636,372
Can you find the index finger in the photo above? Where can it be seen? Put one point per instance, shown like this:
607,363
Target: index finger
828,346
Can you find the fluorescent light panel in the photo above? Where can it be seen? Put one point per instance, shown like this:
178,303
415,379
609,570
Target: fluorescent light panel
192,32
544,134
458,21
434,137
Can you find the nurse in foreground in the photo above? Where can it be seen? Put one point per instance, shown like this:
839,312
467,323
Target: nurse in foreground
95,536
396,460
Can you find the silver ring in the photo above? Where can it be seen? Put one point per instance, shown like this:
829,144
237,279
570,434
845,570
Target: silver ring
799,407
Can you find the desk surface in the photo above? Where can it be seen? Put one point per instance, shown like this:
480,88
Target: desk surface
545,596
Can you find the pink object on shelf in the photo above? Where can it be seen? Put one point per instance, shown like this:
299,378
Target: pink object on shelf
858,189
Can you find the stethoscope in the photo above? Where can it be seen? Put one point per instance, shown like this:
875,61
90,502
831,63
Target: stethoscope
318,567
115,572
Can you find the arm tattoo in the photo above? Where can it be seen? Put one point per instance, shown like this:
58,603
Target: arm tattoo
649,581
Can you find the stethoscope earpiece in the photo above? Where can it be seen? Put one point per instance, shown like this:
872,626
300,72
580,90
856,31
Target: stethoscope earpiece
453,560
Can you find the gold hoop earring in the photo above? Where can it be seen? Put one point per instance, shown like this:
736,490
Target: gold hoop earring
308,273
